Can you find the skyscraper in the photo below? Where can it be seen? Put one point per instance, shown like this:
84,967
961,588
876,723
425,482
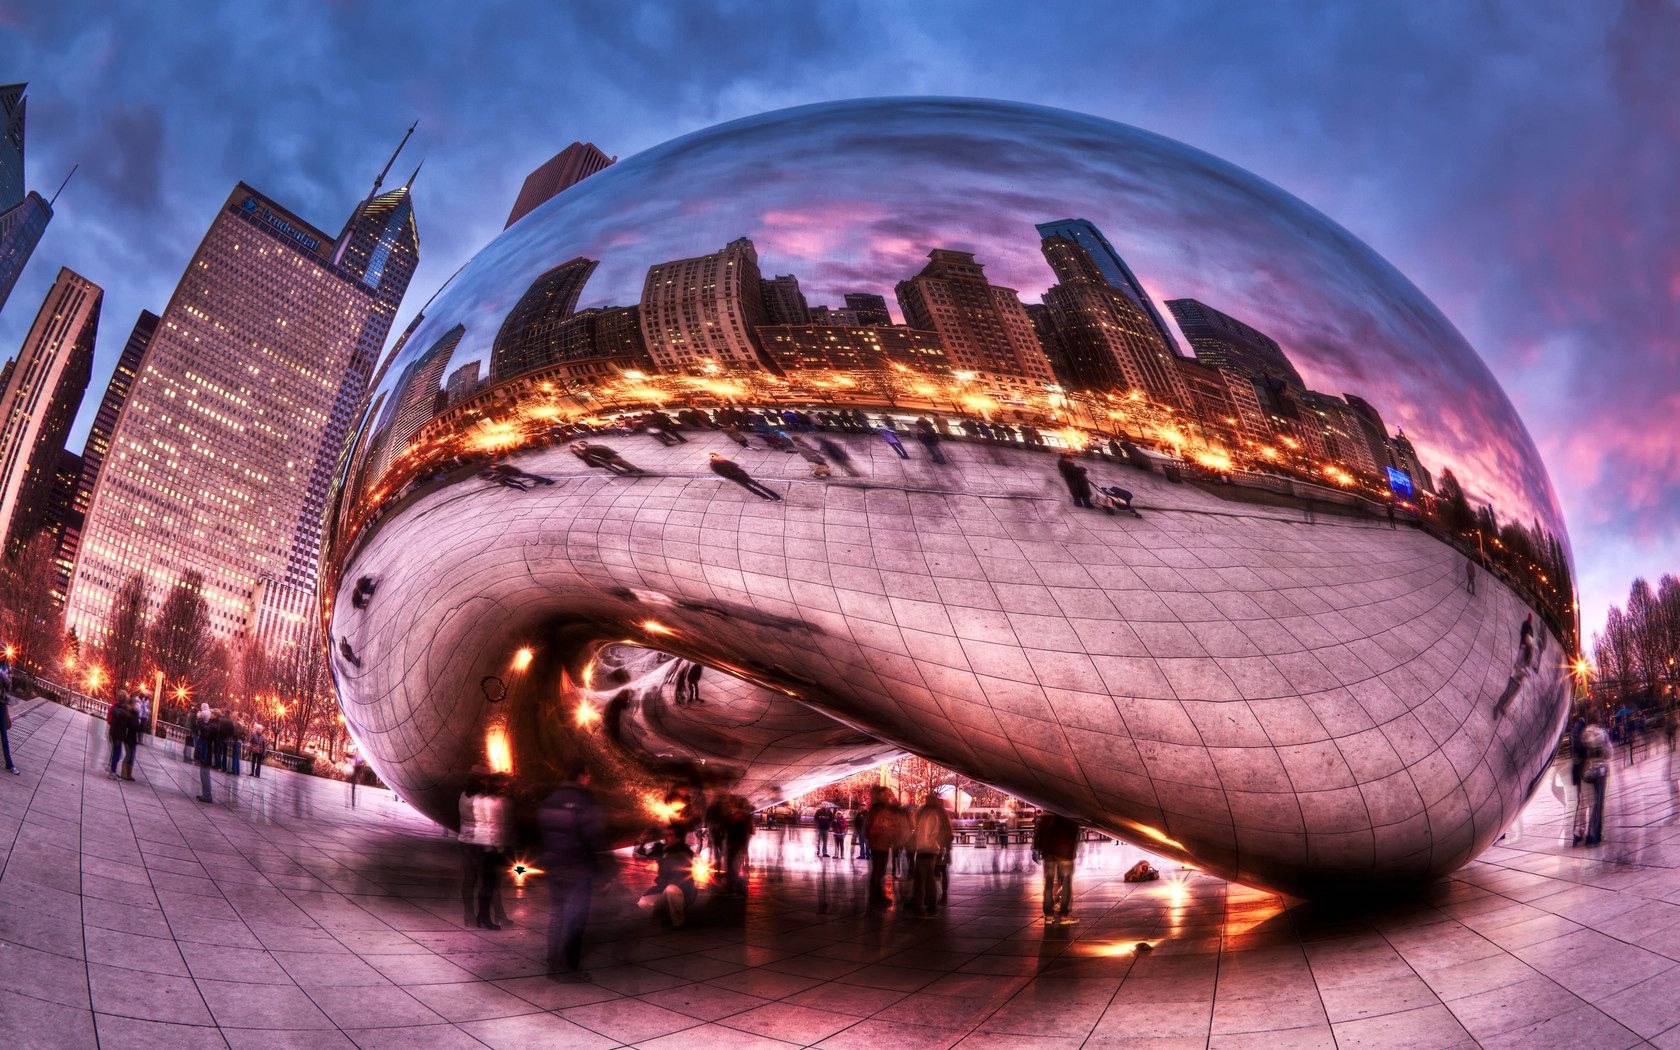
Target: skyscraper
1113,268
560,172
871,309
784,303
1223,341
1373,430
705,310
527,336
1103,340
1407,458
220,460
414,399
462,382
983,326
39,402
23,217
99,441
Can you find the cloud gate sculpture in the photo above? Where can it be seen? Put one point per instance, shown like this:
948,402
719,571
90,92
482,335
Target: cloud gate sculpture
1054,451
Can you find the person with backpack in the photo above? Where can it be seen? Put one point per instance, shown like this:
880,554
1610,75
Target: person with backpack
930,840
1595,777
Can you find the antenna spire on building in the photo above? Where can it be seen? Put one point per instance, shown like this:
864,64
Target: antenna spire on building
63,184
380,180
410,183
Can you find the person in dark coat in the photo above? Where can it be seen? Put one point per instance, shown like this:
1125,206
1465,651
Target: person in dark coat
824,820
929,438
204,753
1074,475
729,470
124,732
1056,845
837,454
6,716
673,890
573,840
884,825
737,834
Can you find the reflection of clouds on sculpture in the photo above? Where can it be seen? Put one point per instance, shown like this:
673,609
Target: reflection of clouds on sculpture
881,182
1271,667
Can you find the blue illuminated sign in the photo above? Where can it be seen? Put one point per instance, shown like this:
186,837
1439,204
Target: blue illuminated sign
1400,483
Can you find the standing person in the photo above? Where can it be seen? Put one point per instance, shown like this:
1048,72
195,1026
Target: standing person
1589,816
729,470
1470,576
737,835
838,831
223,729
860,841
890,436
691,681
931,837
204,751
1577,753
236,741
6,716
485,832
929,438
716,820
1075,477
1056,845
143,712
824,820
673,890
259,751
124,732
881,823
572,840
357,765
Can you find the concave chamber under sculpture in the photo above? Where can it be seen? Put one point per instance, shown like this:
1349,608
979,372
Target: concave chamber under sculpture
806,439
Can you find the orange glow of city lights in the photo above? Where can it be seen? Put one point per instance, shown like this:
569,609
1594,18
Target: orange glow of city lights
586,716
522,870
181,692
1213,459
498,750
522,658
96,678
655,627
663,812
702,869
1150,833
11,652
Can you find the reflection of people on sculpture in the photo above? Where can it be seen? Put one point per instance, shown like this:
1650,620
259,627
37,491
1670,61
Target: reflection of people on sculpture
485,835
890,436
1075,476
929,439
688,682
1524,664
513,478
1589,816
363,593
673,890
348,653
732,471
1470,575
837,453
573,841
819,465
601,456
1112,498
734,434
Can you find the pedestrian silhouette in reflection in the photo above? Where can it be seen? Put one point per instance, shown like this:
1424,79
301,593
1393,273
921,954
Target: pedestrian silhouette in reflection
1113,498
1470,576
513,478
732,471
1075,477
689,677
1523,666
607,459
348,653
836,453
929,438
573,841
890,436
363,594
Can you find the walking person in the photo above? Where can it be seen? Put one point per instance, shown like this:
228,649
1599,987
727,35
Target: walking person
931,837
1589,807
357,765
1076,478
691,682
882,826
1056,845
1470,576
573,841
929,438
204,751
6,716
143,712
124,733
737,835
732,471
258,750
236,742
836,453
860,841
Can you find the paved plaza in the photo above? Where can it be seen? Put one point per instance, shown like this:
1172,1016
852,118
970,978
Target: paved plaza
133,916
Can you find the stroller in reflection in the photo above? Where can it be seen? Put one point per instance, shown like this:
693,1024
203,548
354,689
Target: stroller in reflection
1112,499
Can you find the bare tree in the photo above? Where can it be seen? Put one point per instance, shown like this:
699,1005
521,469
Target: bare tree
181,642
30,621
124,651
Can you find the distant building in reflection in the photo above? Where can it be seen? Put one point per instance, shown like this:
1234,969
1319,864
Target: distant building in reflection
1407,458
784,303
23,216
1099,339
703,311
529,333
1112,267
557,174
416,396
1373,430
868,308
1223,341
462,383
843,349
983,327
1224,401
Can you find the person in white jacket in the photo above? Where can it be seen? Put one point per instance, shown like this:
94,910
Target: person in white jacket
485,833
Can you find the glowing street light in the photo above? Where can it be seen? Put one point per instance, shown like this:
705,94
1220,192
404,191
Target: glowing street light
522,658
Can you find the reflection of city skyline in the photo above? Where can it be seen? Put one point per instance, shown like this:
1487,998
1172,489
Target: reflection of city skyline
1237,402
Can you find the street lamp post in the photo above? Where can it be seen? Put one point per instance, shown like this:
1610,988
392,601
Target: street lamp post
157,700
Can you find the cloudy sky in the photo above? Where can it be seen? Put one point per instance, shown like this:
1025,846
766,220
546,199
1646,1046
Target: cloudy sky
1517,163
